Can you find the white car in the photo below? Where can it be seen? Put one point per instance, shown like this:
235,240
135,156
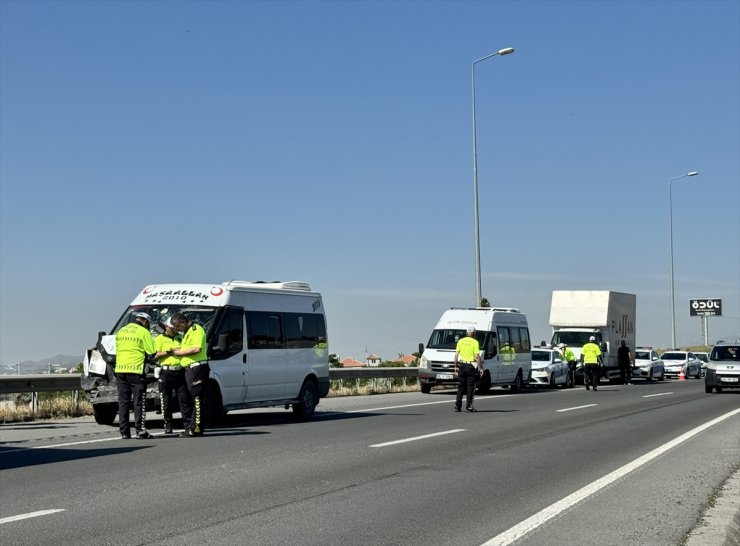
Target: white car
549,368
704,357
676,361
648,365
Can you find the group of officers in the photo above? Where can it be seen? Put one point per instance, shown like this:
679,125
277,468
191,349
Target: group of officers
469,366
181,364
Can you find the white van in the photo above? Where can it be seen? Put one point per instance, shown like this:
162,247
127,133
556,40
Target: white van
267,346
503,335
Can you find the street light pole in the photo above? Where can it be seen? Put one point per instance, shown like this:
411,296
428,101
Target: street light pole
670,215
476,228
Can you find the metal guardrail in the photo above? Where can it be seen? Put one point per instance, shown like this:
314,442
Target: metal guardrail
35,383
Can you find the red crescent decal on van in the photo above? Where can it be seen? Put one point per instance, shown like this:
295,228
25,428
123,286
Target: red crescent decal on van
217,291
149,289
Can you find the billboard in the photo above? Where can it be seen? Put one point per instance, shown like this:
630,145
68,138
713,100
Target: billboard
706,307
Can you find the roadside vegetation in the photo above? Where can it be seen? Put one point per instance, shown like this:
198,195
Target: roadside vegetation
62,405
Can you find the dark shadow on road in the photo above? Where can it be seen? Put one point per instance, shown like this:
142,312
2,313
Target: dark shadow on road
22,457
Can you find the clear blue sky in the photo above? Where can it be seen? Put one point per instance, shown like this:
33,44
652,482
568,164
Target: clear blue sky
153,142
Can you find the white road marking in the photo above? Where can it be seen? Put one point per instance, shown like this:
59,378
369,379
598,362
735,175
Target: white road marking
577,407
532,522
450,401
81,442
659,394
425,436
30,515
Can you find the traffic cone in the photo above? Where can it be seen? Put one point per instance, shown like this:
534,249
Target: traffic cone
682,376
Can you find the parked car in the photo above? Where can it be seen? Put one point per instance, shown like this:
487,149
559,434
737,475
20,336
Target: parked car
704,357
549,368
675,361
723,369
648,364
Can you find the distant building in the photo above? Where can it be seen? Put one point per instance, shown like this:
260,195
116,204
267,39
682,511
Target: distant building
408,360
373,360
349,362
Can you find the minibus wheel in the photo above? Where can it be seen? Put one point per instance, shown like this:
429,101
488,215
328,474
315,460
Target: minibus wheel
308,398
105,414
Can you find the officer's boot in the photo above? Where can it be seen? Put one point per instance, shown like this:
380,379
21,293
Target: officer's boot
168,426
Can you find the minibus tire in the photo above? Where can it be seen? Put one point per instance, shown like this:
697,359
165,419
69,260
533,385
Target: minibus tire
426,388
484,386
105,414
518,385
308,398
214,406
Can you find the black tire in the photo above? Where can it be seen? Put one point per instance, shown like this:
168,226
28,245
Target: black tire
651,377
718,389
213,405
484,385
308,399
518,385
425,388
105,414
707,389
551,383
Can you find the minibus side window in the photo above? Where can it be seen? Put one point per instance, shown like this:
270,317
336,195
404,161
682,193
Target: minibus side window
264,330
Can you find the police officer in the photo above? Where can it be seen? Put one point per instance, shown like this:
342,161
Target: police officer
469,368
195,359
570,358
590,356
624,359
171,376
134,346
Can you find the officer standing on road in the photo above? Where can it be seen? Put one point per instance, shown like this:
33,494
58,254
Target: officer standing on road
195,358
172,377
570,358
624,359
134,347
590,356
469,368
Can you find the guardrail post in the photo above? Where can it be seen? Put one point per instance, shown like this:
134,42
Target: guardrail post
34,402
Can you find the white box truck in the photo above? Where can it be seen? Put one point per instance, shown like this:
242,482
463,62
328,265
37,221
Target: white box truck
505,348
576,315
267,346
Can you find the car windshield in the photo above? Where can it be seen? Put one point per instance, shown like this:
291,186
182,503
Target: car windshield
540,356
159,313
447,339
674,356
642,355
574,339
726,353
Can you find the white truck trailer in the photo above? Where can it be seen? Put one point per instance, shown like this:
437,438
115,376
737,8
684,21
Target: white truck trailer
576,315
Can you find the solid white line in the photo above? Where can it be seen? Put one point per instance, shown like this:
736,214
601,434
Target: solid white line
419,437
659,394
577,407
30,515
81,442
531,523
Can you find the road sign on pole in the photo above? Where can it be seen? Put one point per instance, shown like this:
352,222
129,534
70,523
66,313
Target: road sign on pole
706,307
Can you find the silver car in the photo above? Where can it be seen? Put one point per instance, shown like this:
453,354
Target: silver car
549,368
648,365
723,370
675,362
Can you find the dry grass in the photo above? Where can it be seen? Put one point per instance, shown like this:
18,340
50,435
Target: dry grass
351,387
54,408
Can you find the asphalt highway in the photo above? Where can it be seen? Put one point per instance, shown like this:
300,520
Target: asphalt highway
632,464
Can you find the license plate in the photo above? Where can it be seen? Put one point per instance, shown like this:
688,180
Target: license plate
729,379
444,376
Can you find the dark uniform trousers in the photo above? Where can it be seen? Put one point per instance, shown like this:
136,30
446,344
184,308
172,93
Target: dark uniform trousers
468,375
131,386
591,375
625,372
174,380
197,379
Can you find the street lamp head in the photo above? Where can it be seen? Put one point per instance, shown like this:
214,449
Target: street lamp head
692,173
506,51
